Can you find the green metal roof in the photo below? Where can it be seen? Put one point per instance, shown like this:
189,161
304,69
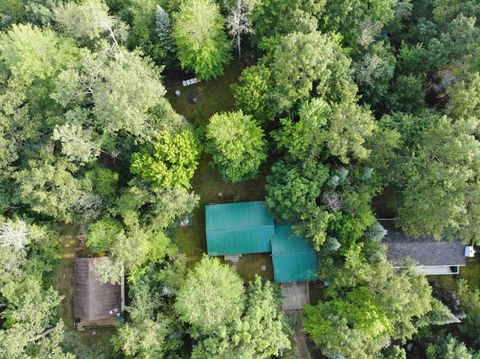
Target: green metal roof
294,259
237,228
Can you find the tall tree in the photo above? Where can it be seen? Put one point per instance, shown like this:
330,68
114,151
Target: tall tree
323,130
261,333
50,188
88,21
441,169
306,64
367,305
293,187
170,161
32,53
238,24
212,296
237,145
252,93
202,43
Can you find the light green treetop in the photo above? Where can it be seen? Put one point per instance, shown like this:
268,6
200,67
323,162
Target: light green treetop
202,44
237,145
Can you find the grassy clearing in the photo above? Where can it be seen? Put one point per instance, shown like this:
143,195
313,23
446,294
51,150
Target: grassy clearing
215,96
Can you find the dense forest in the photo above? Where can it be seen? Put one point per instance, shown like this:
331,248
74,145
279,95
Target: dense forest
344,111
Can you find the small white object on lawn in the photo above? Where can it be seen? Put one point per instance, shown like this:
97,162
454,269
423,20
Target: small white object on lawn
190,82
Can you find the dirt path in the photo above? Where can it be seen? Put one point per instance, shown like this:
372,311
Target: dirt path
303,350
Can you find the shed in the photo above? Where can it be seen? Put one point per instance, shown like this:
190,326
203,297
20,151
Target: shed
94,300
294,259
432,257
238,228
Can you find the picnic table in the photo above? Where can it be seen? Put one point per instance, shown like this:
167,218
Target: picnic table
190,82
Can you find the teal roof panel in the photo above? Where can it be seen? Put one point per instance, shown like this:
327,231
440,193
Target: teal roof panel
238,228
294,259
295,267
286,241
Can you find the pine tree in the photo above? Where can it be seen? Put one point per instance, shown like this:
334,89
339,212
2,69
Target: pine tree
164,32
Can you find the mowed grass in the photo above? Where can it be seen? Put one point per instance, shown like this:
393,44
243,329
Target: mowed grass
215,96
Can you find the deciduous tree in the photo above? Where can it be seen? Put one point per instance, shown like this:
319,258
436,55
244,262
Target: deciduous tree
168,162
237,145
202,44
211,297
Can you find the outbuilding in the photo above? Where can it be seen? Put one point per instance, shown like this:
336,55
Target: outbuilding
432,257
95,303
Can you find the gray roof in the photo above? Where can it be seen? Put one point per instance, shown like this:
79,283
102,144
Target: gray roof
93,299
424,251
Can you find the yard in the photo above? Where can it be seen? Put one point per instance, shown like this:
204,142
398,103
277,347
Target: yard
214,96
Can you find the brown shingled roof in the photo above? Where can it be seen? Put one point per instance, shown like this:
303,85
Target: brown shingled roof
93,300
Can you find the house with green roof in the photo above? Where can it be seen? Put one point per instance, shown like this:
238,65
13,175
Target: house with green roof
247,227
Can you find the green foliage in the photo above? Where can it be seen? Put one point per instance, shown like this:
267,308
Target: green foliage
464,98
163,30
438,315
374,71
202,45
338,130
50,188
367,304
31,53
448,347
144,18
470,304
253,91
237,145
102,233
408,95
11,12
104,181
260,334
441,169
87,21
303,63
211,296
153,331
77,143
129,90
168,162
30,311
293,187
347,17
273,19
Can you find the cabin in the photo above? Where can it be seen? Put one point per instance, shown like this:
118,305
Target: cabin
432,257
247,227
95,303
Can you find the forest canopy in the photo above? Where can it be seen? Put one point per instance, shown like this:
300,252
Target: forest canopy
334,113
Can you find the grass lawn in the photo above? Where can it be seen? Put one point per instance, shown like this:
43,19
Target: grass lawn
471,273
215,96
